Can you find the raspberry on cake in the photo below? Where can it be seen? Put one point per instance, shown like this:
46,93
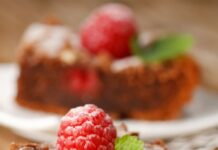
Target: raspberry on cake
112,72
81,81
90,128
109,29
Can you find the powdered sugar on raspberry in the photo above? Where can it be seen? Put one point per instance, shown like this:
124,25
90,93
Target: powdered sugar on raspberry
86,128
118,11
109,30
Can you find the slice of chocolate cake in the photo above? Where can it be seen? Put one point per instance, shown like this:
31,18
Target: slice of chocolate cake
57,73
57,77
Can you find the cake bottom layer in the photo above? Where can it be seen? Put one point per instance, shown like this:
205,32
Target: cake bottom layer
171,110
144,92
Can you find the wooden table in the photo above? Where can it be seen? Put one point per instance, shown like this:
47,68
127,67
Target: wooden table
7,137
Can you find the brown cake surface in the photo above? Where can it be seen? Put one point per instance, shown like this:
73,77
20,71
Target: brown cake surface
125,88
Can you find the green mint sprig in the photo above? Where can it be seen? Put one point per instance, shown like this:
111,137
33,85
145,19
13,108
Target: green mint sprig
165,48
128,142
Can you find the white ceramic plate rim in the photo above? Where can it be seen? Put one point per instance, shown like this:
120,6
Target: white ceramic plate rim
45,125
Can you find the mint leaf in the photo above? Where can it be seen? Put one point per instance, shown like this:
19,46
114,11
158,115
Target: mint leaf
128,142
164,48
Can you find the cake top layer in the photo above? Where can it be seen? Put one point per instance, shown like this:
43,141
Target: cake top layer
59,42
125,63
111,29
48,39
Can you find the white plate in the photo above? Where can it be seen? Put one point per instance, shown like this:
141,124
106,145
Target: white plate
201,114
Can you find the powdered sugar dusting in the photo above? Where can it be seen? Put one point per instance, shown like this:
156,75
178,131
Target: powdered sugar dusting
109,29
34,33
54,40
118,11
86,127
47,39
125,63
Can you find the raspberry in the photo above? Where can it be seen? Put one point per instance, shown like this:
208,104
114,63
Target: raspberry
109,30
81,81
86,128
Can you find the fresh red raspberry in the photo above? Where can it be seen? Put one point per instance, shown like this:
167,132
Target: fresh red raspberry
86,128
81,81
109,30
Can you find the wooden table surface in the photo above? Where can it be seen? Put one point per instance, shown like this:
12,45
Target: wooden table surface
7,137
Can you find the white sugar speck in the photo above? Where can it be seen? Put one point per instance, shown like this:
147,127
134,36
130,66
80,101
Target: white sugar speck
125,63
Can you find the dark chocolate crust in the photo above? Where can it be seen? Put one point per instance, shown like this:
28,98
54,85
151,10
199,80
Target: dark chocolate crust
155,92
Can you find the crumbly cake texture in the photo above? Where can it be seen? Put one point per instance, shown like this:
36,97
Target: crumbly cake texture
125,88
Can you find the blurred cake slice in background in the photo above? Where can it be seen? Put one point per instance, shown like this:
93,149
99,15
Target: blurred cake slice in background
58,72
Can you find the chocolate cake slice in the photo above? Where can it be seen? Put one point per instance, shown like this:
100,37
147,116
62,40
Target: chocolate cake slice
106,66
56,75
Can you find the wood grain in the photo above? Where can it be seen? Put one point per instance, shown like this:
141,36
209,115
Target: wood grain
7,137
198,17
